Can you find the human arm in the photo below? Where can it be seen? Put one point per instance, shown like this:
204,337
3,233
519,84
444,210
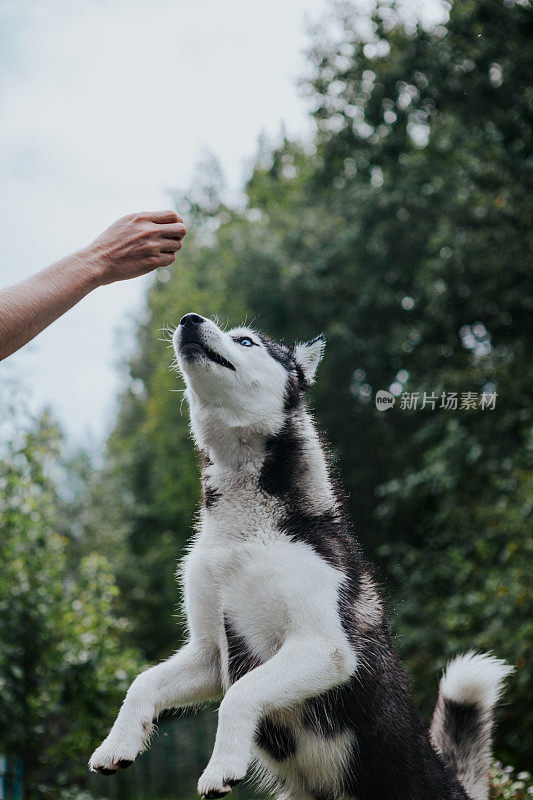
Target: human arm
134,245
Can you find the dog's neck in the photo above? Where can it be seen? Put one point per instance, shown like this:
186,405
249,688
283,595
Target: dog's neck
227,441
237,457
233,449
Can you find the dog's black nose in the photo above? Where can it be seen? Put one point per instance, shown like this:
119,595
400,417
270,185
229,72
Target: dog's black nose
191,319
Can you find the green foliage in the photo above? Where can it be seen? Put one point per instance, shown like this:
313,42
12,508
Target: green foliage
505,785
425,153
62,667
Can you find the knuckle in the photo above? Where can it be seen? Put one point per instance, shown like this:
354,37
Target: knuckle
144,223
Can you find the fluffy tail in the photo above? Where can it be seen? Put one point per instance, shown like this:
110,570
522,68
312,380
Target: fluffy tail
461,728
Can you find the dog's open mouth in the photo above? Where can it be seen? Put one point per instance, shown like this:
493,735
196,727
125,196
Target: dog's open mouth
193,348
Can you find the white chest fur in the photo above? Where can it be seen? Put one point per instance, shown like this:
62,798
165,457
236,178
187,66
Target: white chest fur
269,588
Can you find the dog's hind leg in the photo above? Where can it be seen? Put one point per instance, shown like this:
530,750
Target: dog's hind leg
189,677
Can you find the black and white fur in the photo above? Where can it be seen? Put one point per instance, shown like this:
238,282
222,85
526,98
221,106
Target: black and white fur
285,620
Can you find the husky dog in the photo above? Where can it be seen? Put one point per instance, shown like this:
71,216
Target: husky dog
285,620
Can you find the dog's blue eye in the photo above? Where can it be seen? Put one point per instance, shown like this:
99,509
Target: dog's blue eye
245,341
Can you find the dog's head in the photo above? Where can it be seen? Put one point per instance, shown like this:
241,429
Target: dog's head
240,378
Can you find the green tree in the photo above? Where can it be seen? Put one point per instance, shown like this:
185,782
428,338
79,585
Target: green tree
63,668
424,140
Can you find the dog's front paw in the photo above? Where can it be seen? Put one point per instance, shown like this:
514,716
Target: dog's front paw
116,753
220,776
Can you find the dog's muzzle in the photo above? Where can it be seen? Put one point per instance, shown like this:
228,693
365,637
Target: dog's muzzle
191,344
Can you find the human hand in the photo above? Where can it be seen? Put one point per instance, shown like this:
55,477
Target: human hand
135,245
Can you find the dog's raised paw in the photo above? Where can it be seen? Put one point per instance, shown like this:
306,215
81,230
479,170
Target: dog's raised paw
113,755
209,793
217,782
228,784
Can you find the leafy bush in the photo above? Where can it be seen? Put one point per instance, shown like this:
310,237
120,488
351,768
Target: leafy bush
63,667
506,786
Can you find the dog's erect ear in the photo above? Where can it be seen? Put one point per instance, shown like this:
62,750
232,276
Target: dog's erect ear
308,356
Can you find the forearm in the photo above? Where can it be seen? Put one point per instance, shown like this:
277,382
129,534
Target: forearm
31,305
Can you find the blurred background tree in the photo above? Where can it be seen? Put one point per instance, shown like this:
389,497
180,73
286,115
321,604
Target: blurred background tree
63,668
402,230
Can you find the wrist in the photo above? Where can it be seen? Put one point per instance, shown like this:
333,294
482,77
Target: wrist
93,267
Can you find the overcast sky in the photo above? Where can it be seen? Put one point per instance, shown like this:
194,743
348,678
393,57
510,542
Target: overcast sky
104,106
